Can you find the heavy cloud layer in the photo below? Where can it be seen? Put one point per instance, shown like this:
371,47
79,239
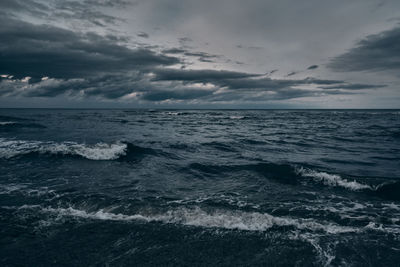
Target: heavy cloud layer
39,59
377,52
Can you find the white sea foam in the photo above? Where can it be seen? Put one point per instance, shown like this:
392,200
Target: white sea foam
236,117
332,179
10,188
391,206
374,226
231,220
7,123
99,151
325,255
249,221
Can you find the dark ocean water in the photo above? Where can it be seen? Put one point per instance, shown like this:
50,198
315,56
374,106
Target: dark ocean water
199,188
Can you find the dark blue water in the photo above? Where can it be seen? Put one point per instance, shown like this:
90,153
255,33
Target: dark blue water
202,188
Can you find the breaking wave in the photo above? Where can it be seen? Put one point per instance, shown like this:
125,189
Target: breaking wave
99,151
388,190
236,117
248,221
332,179
285,173
11,125
294,175
2,123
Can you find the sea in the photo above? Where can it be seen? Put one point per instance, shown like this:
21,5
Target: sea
143,187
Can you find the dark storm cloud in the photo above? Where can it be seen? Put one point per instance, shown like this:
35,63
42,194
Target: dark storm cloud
184,40
40,50
47,88
115,86
91,65
355,86
177,94
80,63
108,3
284,94
210,95
249,97
243,81
206,60
236,88
312,67
201,76
202,56
378,52
250,47
266,83
174,51
291,73
143,35
106,86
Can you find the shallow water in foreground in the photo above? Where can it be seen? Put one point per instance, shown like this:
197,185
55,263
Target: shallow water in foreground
199,187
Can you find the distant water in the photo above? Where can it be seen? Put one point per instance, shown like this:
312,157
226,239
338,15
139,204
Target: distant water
208,188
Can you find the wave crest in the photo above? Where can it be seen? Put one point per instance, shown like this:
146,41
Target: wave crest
2,123
99,151
332,179
248,221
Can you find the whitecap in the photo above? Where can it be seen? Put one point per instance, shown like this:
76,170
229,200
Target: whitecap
99,151
236,117
173,113
234,220
2,123
332,179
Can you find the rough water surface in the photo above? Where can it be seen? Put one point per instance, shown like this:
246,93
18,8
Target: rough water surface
199,187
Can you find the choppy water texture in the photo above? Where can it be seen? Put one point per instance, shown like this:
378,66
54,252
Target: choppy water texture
205,188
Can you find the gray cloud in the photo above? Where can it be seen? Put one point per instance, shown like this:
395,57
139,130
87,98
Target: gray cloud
174,51
273,71
250,47
312,67
202,56
176,94
90,11
41,50
235,87
119,86
184,40
143,35
248,81
378,52
8,7
79,58
202,76
355,86
291,73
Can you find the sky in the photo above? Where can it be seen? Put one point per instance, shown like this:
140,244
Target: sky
200,54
